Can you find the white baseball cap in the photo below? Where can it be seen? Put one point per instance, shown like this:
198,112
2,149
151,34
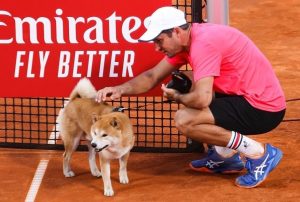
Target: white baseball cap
162,19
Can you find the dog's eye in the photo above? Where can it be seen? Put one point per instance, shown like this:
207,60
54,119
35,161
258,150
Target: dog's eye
104,135
95,133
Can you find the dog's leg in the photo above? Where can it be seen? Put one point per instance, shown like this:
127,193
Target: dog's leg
105,170
123,169
70,146
92,161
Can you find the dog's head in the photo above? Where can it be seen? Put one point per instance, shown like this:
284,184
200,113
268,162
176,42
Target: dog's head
105,131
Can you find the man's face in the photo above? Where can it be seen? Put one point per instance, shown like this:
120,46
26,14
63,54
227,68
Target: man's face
167,44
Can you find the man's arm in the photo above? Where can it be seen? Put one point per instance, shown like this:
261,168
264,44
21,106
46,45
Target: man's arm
199,97
140,84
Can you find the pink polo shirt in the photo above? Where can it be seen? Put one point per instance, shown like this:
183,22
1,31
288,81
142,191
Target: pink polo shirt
237,65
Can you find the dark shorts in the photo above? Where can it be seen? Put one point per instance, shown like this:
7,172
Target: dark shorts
236,114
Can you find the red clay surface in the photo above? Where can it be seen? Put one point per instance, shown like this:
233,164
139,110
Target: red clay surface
274,27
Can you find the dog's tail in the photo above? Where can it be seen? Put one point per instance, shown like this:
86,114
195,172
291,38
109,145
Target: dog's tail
83,89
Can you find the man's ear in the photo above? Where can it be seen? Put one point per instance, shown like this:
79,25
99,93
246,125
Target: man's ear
177,31
95,117
115,123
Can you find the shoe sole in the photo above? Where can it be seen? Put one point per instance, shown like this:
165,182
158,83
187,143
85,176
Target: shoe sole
206,170
275,163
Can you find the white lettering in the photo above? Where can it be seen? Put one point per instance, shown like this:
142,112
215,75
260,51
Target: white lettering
90,62
90,34
19,63
5,41
113,63
127,64
127,31
29,69
43,62
102,62
98,28
33,29
112,27
64,60
72,64
43,57
77,64
72,28
59,27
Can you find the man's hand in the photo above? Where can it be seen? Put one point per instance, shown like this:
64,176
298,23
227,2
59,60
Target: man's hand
180,82
112,92
170,93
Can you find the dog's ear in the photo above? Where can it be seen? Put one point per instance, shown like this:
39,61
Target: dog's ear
95,117
115,123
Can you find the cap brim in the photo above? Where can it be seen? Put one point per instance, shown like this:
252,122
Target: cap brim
149,35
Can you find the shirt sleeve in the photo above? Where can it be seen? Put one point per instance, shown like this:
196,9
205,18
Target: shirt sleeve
205,60
178,60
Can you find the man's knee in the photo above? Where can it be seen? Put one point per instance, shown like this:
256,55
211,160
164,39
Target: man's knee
182,120
186,118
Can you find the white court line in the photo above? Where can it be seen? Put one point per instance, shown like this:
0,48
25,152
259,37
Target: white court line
37,180
55,135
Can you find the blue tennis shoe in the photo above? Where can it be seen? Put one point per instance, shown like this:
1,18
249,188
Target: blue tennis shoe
259,169
214,163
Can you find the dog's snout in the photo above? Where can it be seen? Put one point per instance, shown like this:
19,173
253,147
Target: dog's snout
94,145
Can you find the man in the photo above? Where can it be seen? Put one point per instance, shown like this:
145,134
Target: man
248,97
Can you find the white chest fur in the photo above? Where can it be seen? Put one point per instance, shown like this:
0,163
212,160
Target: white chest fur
114,153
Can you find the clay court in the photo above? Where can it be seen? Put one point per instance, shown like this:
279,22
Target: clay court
274,27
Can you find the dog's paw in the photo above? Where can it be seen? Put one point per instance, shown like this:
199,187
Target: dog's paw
108,192
124,179
69,174
96,173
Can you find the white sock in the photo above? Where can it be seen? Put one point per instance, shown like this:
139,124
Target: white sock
245,145
224,151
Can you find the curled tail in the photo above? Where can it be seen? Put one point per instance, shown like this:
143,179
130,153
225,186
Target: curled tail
83,89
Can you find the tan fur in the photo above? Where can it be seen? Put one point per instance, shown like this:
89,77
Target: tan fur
83,117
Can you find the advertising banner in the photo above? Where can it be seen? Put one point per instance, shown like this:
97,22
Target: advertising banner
47,46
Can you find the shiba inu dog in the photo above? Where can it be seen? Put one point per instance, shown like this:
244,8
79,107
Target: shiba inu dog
108,133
